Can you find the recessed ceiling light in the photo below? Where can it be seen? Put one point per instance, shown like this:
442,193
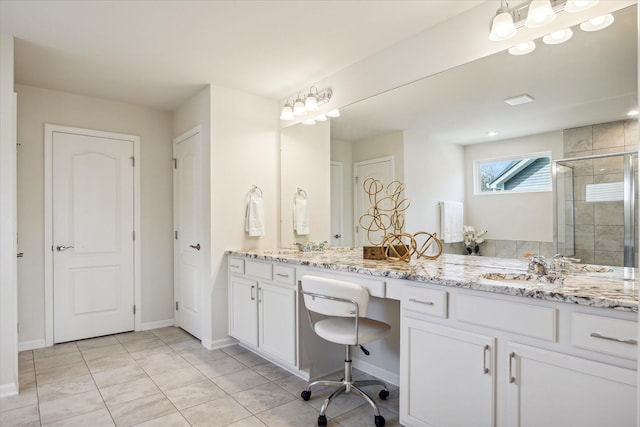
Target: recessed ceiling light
518,100
492,133
632,113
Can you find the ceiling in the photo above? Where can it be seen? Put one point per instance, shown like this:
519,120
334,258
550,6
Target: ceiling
592,78
158,53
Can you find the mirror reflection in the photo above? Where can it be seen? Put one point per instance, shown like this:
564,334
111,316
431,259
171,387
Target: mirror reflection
429,133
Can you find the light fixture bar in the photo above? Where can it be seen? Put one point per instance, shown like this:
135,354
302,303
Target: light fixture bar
521,12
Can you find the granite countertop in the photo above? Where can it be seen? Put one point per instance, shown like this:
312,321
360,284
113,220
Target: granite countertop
616,288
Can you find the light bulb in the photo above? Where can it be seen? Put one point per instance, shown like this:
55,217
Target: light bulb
558,37
298,108
597,23
522,48
287,113
502,27
311,103
540,13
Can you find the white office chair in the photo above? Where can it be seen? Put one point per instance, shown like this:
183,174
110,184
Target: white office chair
344,306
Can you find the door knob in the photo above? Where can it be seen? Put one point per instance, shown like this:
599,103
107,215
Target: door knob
196,247
337,236
62,248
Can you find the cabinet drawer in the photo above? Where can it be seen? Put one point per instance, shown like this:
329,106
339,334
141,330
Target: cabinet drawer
284,275
376,287
261,270
236,265
524,319
425,301
605,335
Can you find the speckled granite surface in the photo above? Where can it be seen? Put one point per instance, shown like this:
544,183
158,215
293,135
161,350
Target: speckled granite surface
617,289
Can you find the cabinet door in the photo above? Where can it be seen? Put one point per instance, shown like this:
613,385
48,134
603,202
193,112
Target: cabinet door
277,310
243,316
447,376
553,389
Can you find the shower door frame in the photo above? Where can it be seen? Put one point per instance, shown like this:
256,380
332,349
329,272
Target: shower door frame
629,205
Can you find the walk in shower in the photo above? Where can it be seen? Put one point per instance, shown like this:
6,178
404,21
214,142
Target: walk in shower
595,208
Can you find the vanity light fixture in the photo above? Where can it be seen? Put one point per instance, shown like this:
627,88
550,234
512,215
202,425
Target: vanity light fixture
522,48
305,103
502,27
558,37
597,23
518,100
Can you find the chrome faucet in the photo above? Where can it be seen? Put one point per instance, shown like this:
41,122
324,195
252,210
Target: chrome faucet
537,265
561,263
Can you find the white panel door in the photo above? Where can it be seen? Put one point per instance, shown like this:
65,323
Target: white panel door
382,170
188,225
336,204
277,320
93,224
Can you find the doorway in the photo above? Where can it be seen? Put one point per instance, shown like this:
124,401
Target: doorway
189,253
92,252
381,169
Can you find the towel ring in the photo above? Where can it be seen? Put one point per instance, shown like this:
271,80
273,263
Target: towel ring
255,189
301,192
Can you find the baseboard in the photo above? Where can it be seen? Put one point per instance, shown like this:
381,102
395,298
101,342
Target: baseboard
220,343
376,371
158,324
31,345
10,389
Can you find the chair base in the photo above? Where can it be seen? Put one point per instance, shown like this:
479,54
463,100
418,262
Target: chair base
347,385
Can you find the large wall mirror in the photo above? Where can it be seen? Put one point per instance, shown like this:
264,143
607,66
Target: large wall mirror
429,133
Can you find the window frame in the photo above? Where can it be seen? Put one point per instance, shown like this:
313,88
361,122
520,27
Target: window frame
477,164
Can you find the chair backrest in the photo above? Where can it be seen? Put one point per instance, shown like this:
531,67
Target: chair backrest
319,293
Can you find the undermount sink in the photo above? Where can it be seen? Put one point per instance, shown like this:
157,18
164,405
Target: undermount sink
522,277
587,268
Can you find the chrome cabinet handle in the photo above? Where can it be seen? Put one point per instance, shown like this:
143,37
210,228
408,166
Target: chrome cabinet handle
235,266
20,254
621,340
485,369
196,247
512,356
282,275
253,297
62,248
421,302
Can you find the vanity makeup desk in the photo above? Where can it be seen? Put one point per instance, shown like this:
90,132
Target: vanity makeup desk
475,341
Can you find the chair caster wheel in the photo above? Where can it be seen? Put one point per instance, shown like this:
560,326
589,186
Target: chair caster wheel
322,421
379,419
383,394
306,395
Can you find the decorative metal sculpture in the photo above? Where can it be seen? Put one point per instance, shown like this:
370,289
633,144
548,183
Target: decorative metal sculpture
385,217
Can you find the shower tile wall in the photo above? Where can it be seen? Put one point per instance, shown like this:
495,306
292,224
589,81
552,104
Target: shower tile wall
599,226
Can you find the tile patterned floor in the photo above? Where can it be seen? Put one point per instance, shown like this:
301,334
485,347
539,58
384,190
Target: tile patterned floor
164,377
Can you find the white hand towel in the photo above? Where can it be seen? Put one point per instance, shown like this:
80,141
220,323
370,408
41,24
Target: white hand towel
254,218
301,216
451,217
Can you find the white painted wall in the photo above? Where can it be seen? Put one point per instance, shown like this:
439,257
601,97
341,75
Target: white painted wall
38,106
341,151
386,145
305,160
244,152
434,172
520,216
8,290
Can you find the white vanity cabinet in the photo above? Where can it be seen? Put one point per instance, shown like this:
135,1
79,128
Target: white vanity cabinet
475,358
262,307
553,389
447,376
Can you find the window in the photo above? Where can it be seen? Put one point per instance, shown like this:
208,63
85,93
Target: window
525,173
